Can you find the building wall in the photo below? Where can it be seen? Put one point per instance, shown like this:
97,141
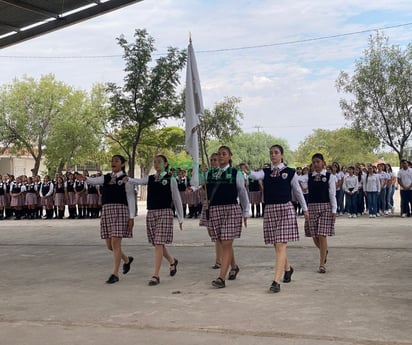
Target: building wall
18,165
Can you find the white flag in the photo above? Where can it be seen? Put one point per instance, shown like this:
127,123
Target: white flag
193,109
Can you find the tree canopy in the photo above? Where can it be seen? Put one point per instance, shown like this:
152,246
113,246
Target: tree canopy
380,91
343,145
147,96
46,116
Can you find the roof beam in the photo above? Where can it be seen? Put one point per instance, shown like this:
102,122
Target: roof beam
62,22
31,8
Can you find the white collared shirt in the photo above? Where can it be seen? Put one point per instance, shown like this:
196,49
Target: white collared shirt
332,189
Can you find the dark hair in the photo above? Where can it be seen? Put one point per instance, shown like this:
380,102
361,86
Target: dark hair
278,147
166,164
122,160
318,156
227,148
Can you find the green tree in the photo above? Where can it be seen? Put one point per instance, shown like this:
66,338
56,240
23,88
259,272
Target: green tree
76,131
148,95
221,123
381,93
28,109
343,145
253,148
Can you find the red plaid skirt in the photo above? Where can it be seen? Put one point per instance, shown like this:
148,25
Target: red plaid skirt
183,197
192,198
159,224
92,199
280,224
320,220
114,221
31,199
2,201
17,201
59,199
71,198
255,197
225,222
47,200
81,199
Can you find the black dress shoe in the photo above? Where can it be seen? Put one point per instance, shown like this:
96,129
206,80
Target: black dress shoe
275,287
233,273
219,283
174,264
126,267
112,279
287,277
154,281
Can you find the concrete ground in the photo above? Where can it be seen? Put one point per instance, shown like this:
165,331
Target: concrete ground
52,288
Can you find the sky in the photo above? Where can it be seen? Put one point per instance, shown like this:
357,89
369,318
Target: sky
287,88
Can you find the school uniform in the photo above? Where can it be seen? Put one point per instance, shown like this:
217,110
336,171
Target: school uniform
118,200
17,188
321,204
81,198
383,179
59,195
279,220
2,197
162,192
46,193
92,200
224,186
31,195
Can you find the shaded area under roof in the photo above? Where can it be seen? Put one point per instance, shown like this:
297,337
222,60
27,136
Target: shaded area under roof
22,20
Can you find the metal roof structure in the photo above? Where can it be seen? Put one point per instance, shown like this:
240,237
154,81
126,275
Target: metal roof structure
22,20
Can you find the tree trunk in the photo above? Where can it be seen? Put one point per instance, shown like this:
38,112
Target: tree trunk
36,167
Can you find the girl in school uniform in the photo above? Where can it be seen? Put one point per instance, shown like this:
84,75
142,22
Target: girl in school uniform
372,188
162,191
59,195
2,196
92,199
17,190
46,196
255,196
182,185
80,189
337,173
118,213
279,221
322,206
71,195
31,198
224,185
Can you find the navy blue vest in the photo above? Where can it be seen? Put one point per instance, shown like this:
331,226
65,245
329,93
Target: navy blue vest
159,193
318,190
223,190
114,193
277,189
30,188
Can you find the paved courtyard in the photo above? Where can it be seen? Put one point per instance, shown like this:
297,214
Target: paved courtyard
53,291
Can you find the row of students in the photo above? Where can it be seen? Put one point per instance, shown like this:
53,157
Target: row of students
27,196
224,215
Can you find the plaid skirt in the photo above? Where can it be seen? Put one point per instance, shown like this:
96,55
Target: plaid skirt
280,224
71,198
114,221
192,198
31,199
47,200
2,201
81,199
203,221
320,220
183,197
159,224
59,199
92,199
255,197
17,201
225,222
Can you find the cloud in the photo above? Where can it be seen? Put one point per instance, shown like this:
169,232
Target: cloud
287,88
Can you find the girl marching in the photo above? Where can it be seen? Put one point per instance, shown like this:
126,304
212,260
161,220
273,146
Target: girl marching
118,213
322,206
279,221
162,191
224,186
